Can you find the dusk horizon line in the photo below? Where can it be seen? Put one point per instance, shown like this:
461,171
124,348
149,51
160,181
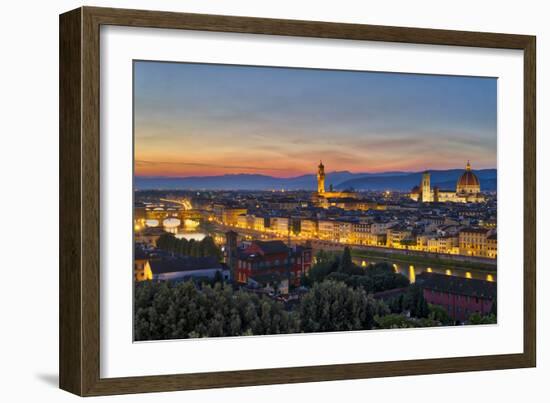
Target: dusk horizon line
311,173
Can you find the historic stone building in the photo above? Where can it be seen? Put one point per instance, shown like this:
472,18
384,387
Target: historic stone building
324,198
468,189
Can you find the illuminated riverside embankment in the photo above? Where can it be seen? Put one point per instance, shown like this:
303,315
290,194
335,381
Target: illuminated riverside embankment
404,261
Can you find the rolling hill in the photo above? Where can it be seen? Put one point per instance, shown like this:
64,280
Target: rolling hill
398,181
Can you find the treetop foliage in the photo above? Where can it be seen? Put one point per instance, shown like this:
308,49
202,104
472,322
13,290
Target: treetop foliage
202,248
339,267
339,299
180,310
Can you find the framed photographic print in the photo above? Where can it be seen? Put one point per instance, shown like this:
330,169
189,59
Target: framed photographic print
250,201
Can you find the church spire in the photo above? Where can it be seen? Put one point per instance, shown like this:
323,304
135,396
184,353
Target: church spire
468,167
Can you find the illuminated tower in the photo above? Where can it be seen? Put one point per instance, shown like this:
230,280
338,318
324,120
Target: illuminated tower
321,178
426,188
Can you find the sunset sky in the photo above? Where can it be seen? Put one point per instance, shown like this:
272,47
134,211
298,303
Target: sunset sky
201,119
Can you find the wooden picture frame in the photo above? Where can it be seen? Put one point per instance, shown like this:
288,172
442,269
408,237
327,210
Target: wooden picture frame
79,346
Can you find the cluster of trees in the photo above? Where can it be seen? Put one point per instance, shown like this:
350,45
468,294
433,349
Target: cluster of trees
339,299
420,313
166,310
334,306
409,309
491,318
340,267
205,247
477,319
413,301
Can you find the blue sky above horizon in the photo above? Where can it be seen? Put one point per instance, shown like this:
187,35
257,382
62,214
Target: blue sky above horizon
206,119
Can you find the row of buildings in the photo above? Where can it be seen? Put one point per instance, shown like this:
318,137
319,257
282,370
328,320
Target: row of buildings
465,226
443,236
444,231
455,240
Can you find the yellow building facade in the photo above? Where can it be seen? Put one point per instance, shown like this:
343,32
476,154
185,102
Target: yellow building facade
479,242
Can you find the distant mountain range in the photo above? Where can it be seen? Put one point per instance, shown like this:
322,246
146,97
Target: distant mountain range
397,181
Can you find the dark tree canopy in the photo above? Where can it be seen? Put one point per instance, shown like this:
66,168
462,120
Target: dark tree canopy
416,303
205,247
333,306
338,297
477,319
340,267
165,310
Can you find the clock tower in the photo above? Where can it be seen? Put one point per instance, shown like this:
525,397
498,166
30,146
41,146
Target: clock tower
321,178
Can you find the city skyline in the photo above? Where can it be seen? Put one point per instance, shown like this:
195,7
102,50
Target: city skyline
210,120
275,200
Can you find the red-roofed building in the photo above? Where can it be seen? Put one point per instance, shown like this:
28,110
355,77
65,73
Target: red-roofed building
460,297
273,257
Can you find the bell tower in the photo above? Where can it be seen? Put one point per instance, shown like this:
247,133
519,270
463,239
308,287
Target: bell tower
426,188
321,178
